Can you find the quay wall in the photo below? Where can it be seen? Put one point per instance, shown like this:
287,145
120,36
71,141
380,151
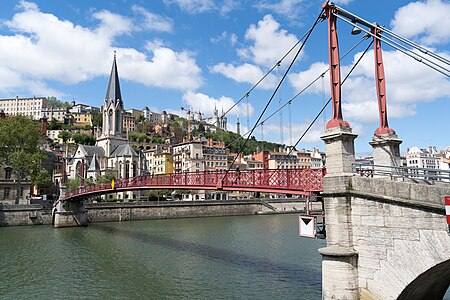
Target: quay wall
35,214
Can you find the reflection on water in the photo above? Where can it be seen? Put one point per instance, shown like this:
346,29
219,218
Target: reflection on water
254,257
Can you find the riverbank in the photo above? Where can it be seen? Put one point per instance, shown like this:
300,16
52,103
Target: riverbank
35,214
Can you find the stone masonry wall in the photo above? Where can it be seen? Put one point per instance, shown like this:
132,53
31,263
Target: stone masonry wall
399,231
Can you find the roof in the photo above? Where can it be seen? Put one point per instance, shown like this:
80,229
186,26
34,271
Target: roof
94,165
92,150
124,150
113,92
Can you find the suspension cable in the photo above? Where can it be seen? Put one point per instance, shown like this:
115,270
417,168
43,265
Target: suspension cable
329,100
357,19
435,66
319,19
302,91
307,33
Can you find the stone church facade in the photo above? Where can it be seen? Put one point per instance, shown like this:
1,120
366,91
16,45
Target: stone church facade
112,153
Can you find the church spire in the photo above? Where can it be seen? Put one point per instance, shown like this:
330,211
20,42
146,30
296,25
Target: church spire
113,92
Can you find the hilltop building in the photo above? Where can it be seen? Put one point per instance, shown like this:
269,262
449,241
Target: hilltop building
30,107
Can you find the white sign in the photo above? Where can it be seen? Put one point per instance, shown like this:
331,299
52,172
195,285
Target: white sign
306,226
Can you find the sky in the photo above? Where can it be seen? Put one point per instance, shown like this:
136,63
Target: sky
201,54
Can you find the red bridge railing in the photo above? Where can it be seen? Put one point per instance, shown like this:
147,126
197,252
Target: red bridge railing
290,181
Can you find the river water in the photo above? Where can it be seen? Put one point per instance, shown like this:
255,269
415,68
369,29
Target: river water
250,257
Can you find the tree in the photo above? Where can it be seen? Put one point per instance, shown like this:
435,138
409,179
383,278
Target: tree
97,118
65,136
20,140
53,101
42,179
84,139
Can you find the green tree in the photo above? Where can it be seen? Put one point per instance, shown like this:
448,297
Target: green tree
20,140
42,179
97,118
65,136
84,139
53,101
73,184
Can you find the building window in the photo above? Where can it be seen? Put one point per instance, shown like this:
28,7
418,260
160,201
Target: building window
6,193
8,172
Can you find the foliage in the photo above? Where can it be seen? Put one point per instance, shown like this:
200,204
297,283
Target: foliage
73,184
157,194
68,127
84,139
20,140
65,136
53,101
97,118
235,145
105,178
42,179
54,124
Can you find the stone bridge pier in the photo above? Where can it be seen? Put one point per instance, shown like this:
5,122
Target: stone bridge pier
386,239
68,213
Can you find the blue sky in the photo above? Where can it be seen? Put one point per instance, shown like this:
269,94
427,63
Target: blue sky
202,53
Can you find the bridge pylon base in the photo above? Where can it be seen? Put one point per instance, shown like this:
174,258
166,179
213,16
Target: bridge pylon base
68,213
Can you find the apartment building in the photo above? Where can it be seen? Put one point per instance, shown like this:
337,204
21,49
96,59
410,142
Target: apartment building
188,157
30,107
214,155
159,159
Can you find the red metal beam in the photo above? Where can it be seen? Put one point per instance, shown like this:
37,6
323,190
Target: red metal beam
381,85
335,68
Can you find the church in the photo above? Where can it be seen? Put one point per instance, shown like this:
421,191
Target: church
112,153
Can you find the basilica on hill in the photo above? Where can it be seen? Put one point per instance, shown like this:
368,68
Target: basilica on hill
112,153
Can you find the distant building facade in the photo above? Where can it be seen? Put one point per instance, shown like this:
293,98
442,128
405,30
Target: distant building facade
30,107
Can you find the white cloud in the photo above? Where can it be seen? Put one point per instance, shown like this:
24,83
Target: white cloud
245,73
193,6
289,9
202,6
206,104
270,43
45,47
111,24
153,21
166,69
428,22
228,6
225,36
153,45
272,132
342,2
27,5
301,80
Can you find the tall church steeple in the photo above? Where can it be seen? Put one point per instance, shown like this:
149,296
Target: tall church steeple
112,112
113,92
113,105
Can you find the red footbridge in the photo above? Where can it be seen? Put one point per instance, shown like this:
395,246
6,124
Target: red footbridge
287,181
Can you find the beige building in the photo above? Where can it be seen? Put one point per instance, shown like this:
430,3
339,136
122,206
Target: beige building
30,107
129,122
188,157
59,114
81,119
159,160
10,192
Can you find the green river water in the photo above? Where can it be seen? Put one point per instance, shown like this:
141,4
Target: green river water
250,257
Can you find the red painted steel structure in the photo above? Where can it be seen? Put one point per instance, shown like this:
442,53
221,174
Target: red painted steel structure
292,181
380,84
335,68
